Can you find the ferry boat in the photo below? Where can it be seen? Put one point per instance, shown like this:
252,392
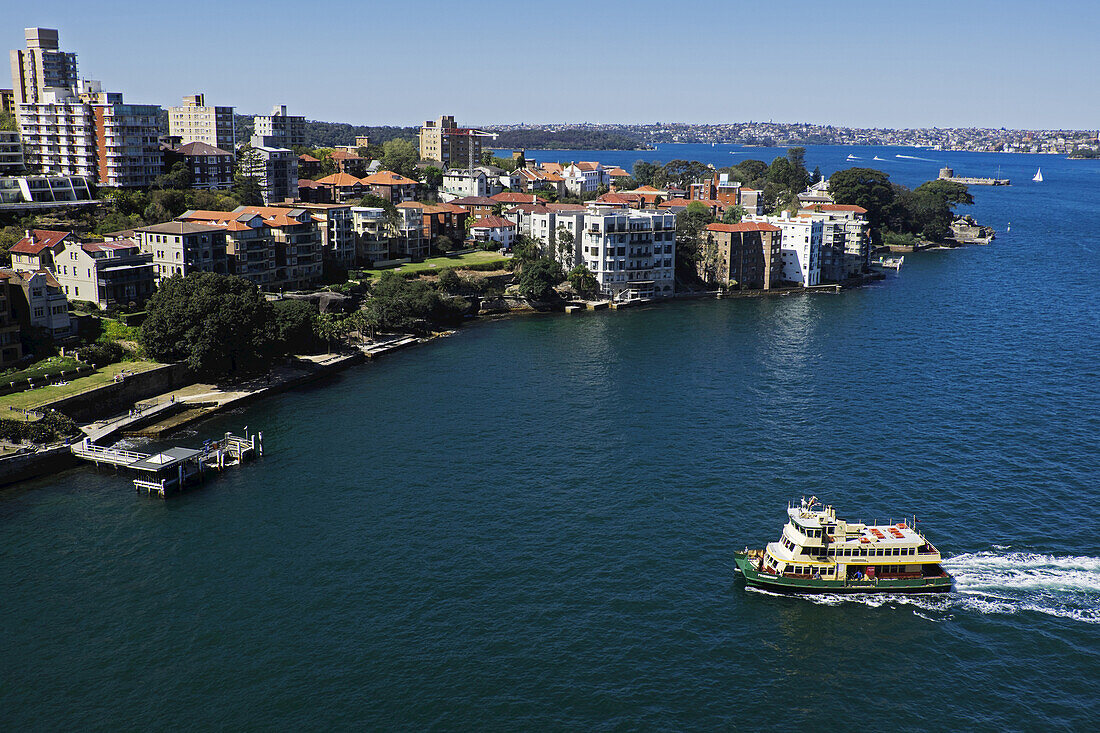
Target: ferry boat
818,553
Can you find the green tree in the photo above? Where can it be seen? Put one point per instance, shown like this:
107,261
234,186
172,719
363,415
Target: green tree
690,224
645,172
564,242
329,328
952,191
538,278
401,157
432,176
220,325
294,326
8,121
733,215
449,281
525,250
864,187
584,281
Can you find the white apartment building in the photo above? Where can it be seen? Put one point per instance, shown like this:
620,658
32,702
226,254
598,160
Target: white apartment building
11,152
194,122
800,247
584,177
279,130
846,246
335,223
372,239
459,183
59,134
548,227
275,170
631,253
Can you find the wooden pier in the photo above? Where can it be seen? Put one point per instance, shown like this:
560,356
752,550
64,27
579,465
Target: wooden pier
174,468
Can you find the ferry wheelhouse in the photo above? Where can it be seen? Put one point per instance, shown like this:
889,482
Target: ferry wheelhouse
818,553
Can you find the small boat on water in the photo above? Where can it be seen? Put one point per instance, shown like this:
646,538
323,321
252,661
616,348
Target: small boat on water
1038,177
878,158
853,157
818,553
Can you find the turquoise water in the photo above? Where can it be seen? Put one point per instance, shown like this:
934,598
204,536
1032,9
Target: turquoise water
530,524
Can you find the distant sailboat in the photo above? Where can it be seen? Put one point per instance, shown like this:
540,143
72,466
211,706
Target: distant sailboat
1038,177
878,158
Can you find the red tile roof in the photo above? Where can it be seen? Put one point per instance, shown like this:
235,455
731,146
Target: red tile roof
474,201
529,209
745,226
558,208
388,178
304,158
339,179
41,239
492,222
514,197
344,155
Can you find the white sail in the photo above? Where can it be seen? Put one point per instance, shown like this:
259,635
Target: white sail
1038,177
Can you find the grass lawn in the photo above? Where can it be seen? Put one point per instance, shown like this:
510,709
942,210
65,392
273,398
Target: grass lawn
42,395
434,264
46,367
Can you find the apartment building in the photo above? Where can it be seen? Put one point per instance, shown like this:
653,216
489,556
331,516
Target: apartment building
279,130
800,247
38,301
42,65
631,253
461,182
585,177
271,246
72,127
337,232
11,152
38,249
747,256
846,242
391,186
407,232
211,167
372,239
194,122
108,274
443,141
181,248
11,350
275,171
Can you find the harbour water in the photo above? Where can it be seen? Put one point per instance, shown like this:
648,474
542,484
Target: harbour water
530,524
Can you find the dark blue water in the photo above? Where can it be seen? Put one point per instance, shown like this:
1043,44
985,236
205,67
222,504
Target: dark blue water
530,524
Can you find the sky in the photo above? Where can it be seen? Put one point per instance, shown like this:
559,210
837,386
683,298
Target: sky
886,63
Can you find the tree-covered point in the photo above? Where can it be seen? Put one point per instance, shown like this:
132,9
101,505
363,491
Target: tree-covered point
568,138
926,211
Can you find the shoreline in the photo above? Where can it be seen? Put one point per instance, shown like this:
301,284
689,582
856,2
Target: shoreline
192,410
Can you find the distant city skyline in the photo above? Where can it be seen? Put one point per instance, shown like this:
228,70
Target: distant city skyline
856,64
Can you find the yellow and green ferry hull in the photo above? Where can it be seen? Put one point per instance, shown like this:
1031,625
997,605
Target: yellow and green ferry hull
778,584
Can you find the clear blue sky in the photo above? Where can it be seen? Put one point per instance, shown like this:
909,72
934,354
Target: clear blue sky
868,63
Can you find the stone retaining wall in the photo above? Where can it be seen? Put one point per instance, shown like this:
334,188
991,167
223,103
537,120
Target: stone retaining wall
118,396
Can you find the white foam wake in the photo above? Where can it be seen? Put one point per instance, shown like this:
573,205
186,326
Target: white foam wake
1002,582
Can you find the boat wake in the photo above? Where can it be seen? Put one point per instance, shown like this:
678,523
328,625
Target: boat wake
1000,582
914,157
